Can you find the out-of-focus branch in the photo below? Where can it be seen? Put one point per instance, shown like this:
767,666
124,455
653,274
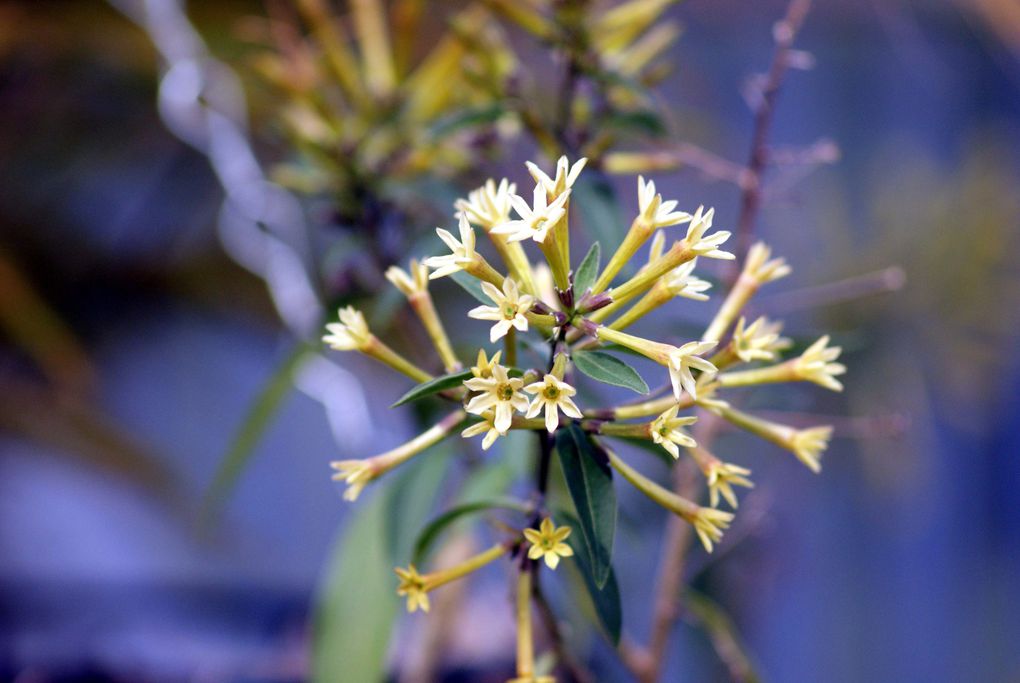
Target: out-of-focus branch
889,279
784,32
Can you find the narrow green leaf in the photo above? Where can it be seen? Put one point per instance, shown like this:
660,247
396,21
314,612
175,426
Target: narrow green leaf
357,604
431,531
600,212
723,634
466,118
258,418
641,121
472,286
590,482
603,367
588,271
433,386
606,599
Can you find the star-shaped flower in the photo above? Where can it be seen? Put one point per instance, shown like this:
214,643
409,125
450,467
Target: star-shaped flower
706,246
413,282
462,252
655,212
355,473
760,340
500,392
815,364
553,394
721,478
566,175
809,444
350,333
681,282
509,310
547,543
666,431
709,524
535,221
484,365
412,584
759,267
682,359
487,427
489,205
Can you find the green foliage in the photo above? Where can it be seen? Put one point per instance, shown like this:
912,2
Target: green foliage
360,580
259,416
605,599
609,369
600,210
433,386
588,271
590,482
433,529
471,285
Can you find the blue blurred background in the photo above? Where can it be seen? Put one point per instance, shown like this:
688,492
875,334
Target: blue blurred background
132,345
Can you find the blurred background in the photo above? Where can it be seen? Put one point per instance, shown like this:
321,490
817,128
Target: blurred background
149,321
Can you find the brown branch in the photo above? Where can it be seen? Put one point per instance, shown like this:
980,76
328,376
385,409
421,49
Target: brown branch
784,33
888,279
575,672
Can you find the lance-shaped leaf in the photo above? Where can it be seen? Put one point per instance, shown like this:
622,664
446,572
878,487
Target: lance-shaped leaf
433,529
605,600
590,482
471,285
588,271
609,369
434,386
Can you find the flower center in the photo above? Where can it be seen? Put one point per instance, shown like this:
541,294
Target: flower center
509,312
551,392
504,392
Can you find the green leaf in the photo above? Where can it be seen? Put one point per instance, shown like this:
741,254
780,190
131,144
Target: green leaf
357,604
466,118
471,285
356,611
431,531
590,482
606,599
603,367
258,418
433,386
600,212
641,121
723,634
588,271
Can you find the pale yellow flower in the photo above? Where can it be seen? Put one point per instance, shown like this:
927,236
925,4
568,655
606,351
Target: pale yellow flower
355,473
484,365
722,477
815,365
681,282
499,392
412,584
489,205
760,340
462,252
412,281
809,444
682,359
552,394
547,543
666,431
566,175
759,267
487,427
706,246
509,310
709,524
350,333
655,212
536,220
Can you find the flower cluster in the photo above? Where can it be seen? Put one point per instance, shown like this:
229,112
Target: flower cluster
581,319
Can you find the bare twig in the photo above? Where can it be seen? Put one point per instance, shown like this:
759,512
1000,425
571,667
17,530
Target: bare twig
888,279
784,33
